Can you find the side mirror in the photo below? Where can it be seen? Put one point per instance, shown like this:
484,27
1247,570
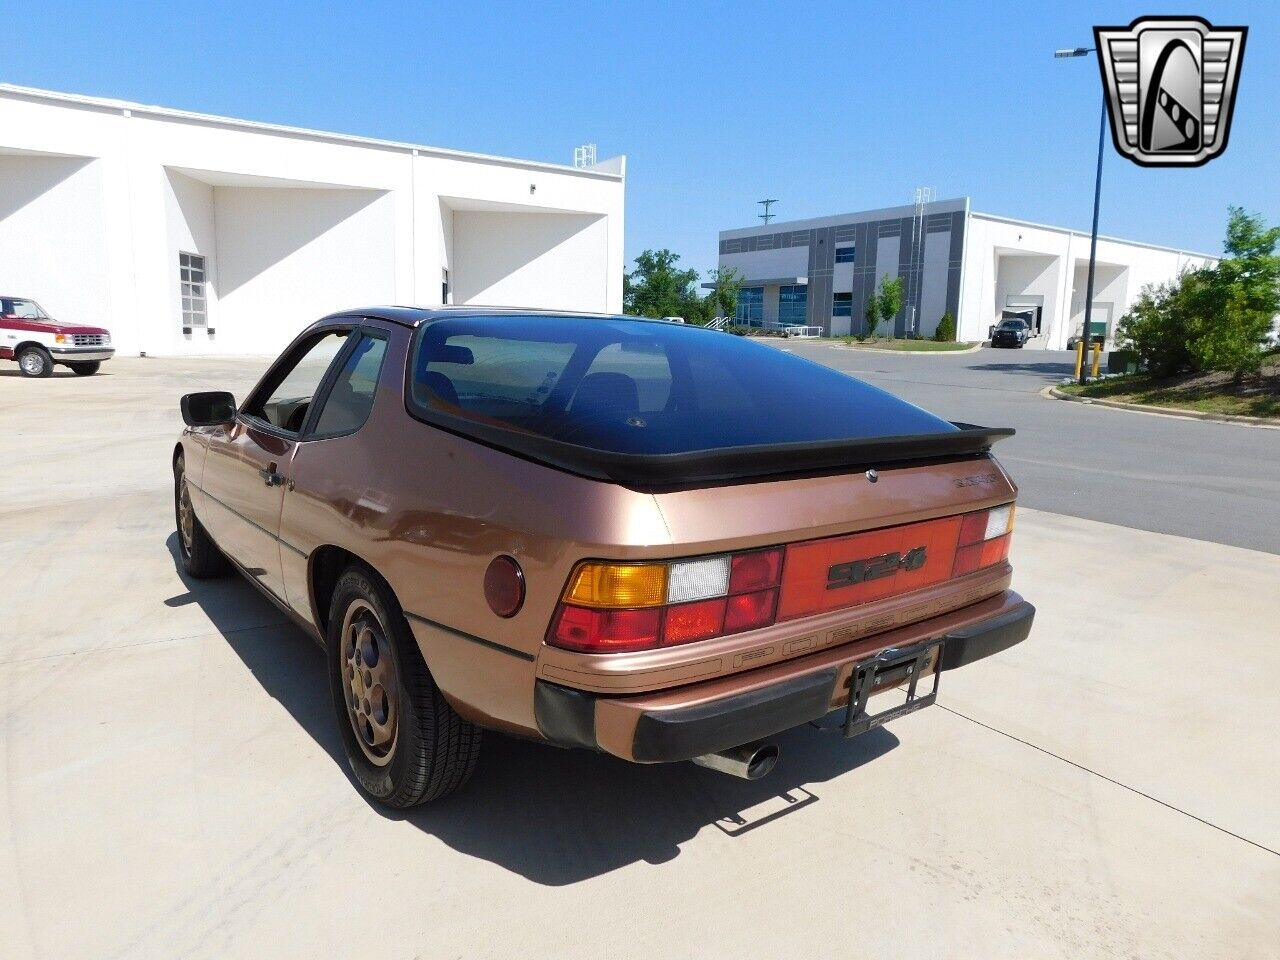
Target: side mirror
208,409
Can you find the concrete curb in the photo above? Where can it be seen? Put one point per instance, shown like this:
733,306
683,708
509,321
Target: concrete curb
1177,413
908,353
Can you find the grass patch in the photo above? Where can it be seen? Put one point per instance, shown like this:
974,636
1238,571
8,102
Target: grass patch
1204,393
909,346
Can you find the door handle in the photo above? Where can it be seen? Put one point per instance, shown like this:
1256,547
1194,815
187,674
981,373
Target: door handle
269,476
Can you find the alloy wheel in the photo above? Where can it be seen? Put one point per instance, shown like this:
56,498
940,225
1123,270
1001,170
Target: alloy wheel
370,683
186,516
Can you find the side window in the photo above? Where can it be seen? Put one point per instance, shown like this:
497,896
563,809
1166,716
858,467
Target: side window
286,405
347,407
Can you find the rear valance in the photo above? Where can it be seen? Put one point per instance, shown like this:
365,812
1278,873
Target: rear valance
727,464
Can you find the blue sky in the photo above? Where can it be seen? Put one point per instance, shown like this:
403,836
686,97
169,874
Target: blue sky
829,107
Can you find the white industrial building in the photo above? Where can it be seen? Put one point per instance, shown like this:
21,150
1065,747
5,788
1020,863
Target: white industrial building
978,266
185,233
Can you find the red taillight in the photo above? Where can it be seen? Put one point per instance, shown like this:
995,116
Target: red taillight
616,607
750,610
685,601
605,631
984,540
973,527
687,622
755,571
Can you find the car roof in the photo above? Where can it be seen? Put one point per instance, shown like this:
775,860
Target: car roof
415,316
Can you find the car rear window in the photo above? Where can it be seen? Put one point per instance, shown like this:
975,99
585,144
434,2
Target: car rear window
640,387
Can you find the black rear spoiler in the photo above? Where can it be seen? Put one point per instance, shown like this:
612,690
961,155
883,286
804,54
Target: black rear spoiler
703,467
743,463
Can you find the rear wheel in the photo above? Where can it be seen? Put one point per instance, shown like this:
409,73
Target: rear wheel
85,368
201,557
404,743
35,362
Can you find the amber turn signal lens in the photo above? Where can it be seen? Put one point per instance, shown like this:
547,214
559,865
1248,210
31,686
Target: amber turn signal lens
504,586
618,585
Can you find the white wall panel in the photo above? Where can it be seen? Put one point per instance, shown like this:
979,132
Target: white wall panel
547,260
287,257
52,236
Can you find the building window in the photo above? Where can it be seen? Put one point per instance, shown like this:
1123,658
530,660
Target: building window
195,304
842,305
750,306
844,255
793,304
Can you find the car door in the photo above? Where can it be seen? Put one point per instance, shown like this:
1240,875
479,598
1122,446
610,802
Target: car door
248,465
332,491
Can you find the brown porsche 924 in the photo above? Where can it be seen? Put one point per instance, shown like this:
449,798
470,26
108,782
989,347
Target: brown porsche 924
651,539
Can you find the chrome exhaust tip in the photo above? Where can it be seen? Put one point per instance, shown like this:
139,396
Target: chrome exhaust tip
751,761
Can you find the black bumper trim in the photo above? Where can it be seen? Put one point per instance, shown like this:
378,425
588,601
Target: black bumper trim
567,717
978,640
730,721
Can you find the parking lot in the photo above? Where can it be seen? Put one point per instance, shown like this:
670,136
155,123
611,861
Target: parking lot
174,784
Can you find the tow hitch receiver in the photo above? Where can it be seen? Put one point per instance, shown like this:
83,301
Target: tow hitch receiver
890,668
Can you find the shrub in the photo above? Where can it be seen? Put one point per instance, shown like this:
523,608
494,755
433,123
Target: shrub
1215,318
1156,328
946,331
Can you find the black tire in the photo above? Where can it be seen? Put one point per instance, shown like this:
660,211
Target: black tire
433,751
35,362
201,557
85,368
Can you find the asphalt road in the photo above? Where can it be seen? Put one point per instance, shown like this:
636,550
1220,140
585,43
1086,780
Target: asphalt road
1208,481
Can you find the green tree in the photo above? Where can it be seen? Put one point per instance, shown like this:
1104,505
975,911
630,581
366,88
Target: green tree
1215,318
873,314
657,288
889,300
1233,304
726,287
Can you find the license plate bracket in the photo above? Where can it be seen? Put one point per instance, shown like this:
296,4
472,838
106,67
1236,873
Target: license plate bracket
891,666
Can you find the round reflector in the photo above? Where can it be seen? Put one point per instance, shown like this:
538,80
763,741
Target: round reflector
504,586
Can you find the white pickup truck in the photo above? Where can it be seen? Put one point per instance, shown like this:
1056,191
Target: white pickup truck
37,341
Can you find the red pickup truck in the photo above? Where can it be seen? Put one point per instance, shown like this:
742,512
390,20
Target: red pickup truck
37,341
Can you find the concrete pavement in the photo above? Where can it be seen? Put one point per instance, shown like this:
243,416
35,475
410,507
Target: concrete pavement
173,784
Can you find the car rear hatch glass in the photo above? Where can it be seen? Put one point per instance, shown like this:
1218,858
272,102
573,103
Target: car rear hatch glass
646,402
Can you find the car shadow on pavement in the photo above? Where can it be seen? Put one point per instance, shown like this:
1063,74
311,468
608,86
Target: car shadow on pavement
60,373
1051,371
553,816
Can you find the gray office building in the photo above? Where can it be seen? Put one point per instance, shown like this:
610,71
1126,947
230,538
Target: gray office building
978,267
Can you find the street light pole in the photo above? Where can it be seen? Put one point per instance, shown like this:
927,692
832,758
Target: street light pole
1093,252
1093,238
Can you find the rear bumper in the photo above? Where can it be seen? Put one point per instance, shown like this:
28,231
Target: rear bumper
662,728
